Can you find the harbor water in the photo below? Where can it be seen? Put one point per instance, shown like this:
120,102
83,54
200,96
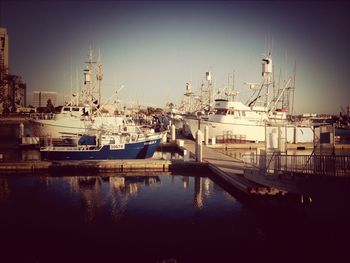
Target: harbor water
188,217
163,218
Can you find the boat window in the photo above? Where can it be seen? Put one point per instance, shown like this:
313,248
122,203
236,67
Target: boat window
112,141
230,112
66,109
243,113
75,109
221,111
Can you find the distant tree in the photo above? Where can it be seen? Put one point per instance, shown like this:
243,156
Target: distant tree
159,111
150,110
143,111
171,105
49,107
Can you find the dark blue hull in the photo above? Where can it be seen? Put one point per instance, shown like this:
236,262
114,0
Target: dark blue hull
139,150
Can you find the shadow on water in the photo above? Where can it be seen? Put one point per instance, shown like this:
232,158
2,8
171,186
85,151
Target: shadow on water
154,218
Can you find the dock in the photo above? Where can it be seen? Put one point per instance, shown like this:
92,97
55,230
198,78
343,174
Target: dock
230,171
105,166
237,174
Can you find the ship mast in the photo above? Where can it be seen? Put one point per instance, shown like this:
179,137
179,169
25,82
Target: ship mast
208,78
93,96
267,76
99,76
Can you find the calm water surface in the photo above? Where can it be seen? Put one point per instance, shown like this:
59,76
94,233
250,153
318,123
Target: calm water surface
158,218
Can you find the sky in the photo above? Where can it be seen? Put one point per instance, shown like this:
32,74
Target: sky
154,47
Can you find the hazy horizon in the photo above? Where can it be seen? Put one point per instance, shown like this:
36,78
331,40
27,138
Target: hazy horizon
154,47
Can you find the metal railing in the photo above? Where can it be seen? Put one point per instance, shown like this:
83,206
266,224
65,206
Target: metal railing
42,116
324,165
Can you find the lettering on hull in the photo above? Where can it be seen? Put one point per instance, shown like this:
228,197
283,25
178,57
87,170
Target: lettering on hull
117,146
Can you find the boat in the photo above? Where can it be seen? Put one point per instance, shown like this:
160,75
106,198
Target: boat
193,106
83,113
73,121
236,121
106,147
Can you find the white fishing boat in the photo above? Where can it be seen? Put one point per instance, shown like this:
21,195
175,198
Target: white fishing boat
83,113
237,122
241,122
73,121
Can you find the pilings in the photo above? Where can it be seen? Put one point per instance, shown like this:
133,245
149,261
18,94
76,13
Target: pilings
173,132
199,149
21,130
206,135
67,168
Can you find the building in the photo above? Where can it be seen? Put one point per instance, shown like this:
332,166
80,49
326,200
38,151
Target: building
40,98
4,51
12,87
17,90
4,68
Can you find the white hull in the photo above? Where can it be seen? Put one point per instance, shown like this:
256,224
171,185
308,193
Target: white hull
244,131
68,126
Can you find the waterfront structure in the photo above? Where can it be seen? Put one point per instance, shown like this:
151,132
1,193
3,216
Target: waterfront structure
16,92
12,88
4,66
40,98
4,51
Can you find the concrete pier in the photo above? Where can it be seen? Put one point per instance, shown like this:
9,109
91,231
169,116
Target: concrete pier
105,166
230,171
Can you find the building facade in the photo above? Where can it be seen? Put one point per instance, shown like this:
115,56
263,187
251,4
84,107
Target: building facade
4,51
40,98
4,68
12,87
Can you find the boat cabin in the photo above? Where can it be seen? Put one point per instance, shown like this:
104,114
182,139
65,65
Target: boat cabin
226,110
75,110
235,108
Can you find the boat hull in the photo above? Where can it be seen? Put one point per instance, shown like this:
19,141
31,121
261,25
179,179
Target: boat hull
70,126
137,150
240,132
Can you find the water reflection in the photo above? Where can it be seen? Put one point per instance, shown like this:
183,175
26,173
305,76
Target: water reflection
198,199
207,186
113,193
105,211
186,181
151,218
4,189
162,155
203,187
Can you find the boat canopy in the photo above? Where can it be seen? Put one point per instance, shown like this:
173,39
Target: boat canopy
235,105
87,140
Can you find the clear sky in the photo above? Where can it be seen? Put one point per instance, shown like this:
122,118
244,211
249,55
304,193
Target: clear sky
154,48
